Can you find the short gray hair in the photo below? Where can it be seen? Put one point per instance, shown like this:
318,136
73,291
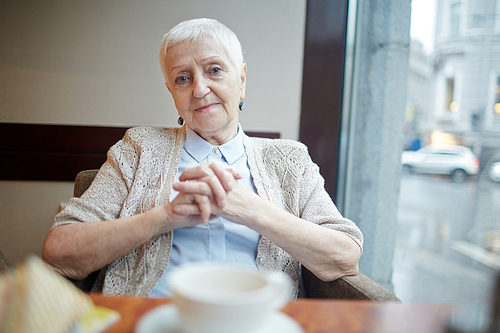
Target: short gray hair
201,28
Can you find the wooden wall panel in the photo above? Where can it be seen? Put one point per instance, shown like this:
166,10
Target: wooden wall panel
58,152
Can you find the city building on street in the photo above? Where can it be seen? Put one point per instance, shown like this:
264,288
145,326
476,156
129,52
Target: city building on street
466,74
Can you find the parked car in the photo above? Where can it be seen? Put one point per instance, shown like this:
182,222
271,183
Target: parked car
494,171
457,161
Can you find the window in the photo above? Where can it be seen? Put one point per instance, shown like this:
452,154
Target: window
455,18
450,104
448,226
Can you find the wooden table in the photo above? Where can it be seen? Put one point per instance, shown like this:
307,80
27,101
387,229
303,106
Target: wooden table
315,316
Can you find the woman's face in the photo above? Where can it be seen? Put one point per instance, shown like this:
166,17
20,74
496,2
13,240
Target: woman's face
206,88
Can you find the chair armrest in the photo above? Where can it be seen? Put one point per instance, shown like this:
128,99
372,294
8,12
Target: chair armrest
87,283
348,287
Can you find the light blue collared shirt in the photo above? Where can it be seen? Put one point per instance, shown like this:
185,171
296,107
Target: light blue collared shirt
220,240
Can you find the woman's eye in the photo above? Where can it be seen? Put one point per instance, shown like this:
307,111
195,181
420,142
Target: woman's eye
181,79
215,70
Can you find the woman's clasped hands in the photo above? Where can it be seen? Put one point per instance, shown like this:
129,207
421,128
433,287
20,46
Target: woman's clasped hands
209,190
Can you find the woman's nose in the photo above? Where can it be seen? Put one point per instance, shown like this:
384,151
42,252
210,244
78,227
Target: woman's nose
201,88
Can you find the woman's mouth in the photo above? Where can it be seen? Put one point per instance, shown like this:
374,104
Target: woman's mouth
206,108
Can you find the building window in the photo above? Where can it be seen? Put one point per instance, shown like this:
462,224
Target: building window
455,18
496,106
450,104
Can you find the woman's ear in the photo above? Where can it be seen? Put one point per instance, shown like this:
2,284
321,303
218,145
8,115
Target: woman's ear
243,78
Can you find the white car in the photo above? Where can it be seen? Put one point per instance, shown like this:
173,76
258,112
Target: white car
456,161
494,172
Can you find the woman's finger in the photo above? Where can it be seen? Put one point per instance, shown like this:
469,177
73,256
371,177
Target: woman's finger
209,186
193,187
202,170
235,173
204,173
204,207
190,205
218,190
225,176
186,209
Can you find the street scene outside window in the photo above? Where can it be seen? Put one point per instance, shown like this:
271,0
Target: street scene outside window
448,245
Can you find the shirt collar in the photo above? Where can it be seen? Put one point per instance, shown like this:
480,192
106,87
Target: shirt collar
199,149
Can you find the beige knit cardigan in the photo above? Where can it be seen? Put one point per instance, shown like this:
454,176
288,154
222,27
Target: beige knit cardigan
139,174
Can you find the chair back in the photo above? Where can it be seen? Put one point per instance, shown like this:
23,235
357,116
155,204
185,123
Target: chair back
82,181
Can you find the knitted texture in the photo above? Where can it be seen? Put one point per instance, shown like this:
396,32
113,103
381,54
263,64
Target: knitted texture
139,174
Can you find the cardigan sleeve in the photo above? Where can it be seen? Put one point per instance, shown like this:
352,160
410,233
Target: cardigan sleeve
316,205
104,199
285,174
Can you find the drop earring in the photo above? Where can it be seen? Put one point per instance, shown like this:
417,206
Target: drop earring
180,121
242,105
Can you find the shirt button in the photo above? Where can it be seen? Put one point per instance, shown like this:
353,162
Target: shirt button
215,151
259,261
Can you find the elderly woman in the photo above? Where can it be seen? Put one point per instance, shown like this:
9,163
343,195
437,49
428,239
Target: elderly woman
204,191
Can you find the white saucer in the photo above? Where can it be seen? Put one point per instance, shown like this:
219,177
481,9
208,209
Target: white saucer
164,319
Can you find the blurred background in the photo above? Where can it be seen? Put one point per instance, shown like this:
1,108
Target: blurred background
448,241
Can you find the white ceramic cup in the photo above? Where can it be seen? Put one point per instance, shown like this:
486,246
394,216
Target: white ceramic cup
225,298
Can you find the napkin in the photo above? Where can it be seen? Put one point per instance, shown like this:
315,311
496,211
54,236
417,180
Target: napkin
34,298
